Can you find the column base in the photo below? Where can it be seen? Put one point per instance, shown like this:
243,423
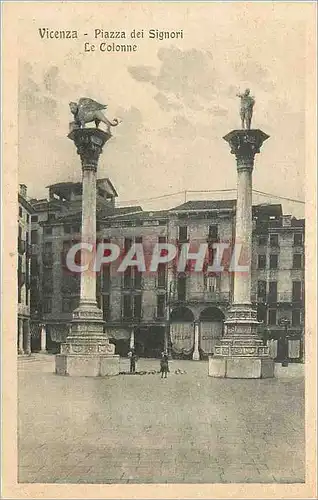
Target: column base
86,365
241,353
196,356
239,367
87,351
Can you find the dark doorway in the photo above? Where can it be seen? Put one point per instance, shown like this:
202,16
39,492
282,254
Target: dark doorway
149,342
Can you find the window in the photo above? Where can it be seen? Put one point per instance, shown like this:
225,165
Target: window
211,255
51,216
262,239
76,228
261,262
47,277
296,317
297,264
48,246
66,304
162,239
127,244
298,239
20,212
34,218
34,236
106,307
161,275
48,230
272,291
67,229
47,305
161,306
138,239
261,290
128,277
213,232
261,313
272,316
273,240
137,306
28,218
127,309
34,266
106,277
210,283
273,261
296,291
181,286
137,279
183,234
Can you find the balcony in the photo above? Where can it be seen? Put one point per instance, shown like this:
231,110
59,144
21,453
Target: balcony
259,299
288,297
203,297
130,318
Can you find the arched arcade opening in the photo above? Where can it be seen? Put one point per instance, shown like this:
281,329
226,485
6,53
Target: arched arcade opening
211,329
182,332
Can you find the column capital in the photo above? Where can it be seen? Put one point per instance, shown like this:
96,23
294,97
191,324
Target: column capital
89,143
244,145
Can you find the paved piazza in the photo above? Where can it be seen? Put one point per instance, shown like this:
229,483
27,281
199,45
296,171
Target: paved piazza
188,428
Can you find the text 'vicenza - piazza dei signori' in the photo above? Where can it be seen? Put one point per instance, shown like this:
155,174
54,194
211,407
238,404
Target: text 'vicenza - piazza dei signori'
241,322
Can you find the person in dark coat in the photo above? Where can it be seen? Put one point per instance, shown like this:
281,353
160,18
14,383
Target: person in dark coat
133,359
164,364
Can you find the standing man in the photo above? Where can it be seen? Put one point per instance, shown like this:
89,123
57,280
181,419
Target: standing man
133,359
164,364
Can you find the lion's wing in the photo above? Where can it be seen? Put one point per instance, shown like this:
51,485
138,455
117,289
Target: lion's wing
85,104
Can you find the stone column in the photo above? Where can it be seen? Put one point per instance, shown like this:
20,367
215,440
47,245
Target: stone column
27,336
87,351
241,353
132,339
20,336
43,338
196,354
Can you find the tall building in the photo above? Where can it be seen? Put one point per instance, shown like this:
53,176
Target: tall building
24,271
183,311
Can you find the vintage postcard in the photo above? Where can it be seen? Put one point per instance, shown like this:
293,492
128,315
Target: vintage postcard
159,264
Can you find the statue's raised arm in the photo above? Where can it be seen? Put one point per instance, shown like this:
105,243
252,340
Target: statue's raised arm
246,111
87,110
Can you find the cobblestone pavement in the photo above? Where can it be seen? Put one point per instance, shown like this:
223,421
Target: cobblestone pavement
188,428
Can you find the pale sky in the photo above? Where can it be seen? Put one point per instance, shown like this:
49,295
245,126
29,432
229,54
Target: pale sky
176,98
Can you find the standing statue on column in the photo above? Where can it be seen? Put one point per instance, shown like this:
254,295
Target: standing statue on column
246,111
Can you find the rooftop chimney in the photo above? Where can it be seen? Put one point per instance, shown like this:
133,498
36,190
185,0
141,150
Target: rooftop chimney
23,190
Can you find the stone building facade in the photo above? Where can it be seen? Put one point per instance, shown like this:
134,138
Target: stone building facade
25,212
181,311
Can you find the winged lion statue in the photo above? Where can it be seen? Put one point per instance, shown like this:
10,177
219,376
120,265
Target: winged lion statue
87,110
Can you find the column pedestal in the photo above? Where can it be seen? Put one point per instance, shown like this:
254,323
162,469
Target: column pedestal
43,339
132,339
27,331
87,351
241,353
196,353
20,336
